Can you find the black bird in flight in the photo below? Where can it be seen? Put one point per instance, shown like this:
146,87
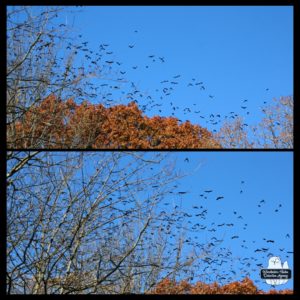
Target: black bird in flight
235,237
220,197
130,46
210,96
208,191
186,159
270,241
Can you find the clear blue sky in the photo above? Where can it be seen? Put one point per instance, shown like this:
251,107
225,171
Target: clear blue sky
267,176
237,52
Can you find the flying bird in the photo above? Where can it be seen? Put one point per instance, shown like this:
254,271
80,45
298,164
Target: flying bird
220,197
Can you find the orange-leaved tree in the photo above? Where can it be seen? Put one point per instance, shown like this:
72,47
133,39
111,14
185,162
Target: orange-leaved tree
64,124
246,286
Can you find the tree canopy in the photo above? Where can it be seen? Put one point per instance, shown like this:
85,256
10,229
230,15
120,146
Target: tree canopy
64,124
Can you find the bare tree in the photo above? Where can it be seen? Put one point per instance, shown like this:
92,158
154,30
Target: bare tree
274,131
41,61
276,128
85,222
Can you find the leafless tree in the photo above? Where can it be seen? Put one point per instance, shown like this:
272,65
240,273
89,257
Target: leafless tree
275,130
86,222
42,51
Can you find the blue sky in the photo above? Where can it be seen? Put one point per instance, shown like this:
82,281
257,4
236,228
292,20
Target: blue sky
267,176
237,53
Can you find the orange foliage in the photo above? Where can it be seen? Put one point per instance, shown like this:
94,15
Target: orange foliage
56,124
245,286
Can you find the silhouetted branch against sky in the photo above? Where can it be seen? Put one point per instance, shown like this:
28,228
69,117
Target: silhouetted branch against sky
104,216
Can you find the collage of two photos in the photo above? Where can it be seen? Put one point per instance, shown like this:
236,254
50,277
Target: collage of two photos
149,150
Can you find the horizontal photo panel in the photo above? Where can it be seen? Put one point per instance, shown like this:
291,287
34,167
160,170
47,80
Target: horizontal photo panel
149,77
149,222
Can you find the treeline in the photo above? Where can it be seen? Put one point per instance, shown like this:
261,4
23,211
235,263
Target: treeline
246,286
64,124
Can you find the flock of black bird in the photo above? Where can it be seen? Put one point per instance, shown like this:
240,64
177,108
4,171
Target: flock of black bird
117,88
234,266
